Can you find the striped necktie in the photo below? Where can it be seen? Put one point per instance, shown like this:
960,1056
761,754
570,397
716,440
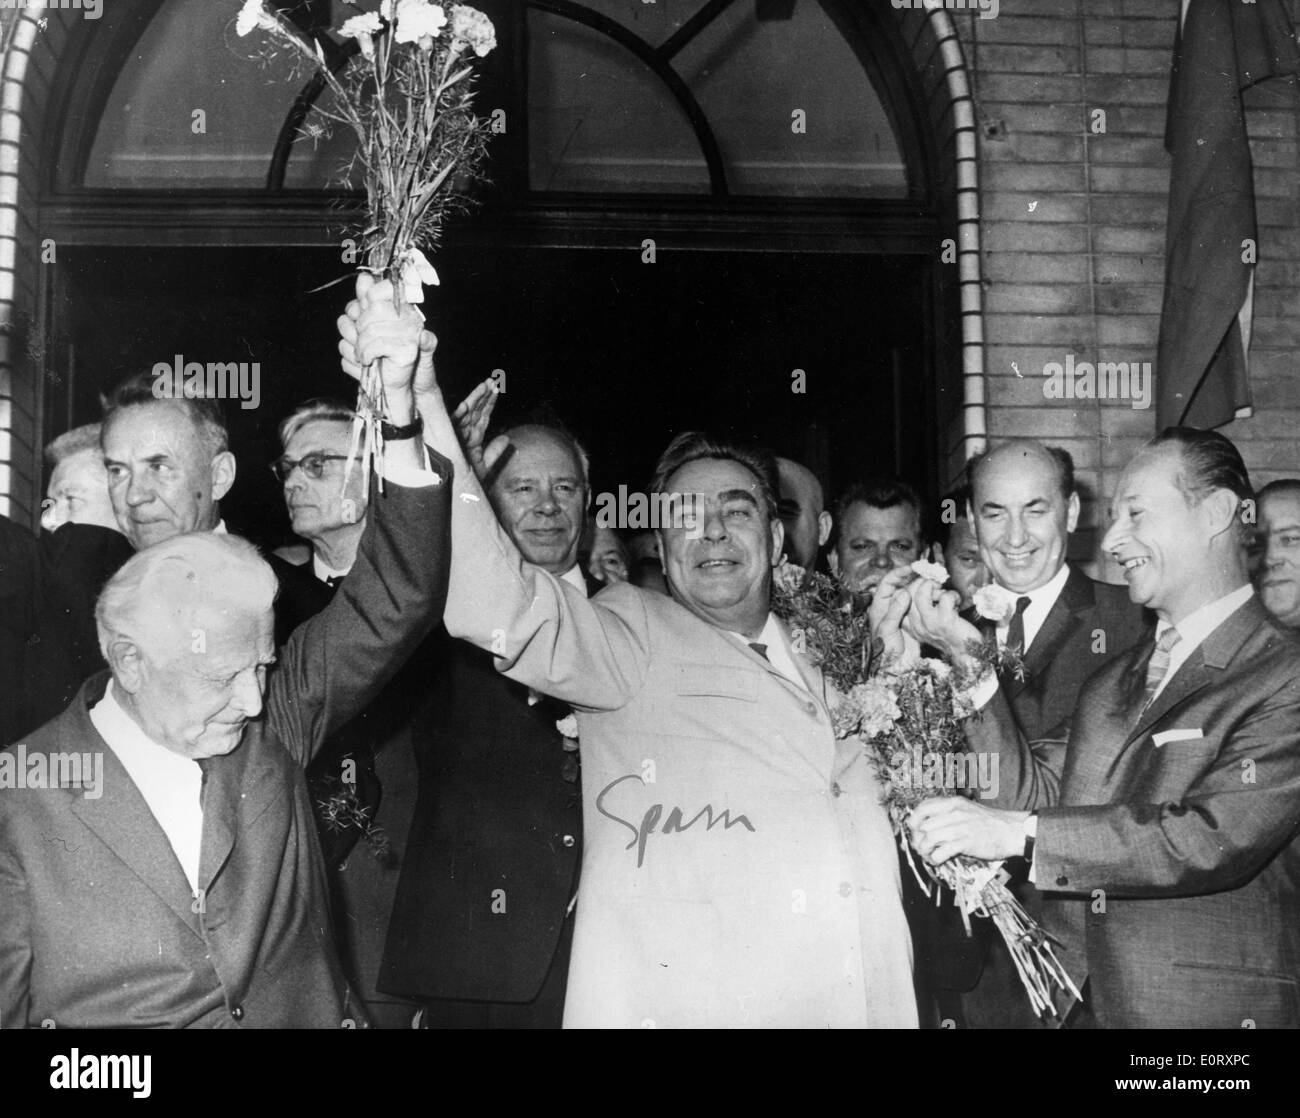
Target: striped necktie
1158,665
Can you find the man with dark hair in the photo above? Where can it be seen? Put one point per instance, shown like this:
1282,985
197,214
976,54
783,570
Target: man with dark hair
1163,819
1275,550
482,923
956,540
168,461
879,527
1065,626
739,869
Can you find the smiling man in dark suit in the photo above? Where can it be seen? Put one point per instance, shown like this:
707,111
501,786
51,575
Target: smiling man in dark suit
482,925
1163,821
1066,626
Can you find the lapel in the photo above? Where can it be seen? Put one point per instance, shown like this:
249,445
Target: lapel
1076,597
1203,666
237,787
120,817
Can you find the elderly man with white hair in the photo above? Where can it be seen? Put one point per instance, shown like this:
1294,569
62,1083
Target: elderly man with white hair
163,870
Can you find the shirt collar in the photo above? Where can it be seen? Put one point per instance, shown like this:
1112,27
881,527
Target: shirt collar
125,737
1199,624
573,576
323,571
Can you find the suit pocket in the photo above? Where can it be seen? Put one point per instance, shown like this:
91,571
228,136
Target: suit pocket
717,680
1231,996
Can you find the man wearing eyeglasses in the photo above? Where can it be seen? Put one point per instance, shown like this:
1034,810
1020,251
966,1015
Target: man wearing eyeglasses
368,763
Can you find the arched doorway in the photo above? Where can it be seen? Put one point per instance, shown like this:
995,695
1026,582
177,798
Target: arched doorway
770,255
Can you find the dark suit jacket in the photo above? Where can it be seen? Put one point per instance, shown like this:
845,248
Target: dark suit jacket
1089,625
496,823
1186,822
98,927
48,646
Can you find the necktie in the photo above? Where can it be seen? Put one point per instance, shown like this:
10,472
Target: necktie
761,649
1158,665
1016,630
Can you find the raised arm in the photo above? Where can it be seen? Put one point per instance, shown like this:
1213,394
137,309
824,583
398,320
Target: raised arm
543,631
338,660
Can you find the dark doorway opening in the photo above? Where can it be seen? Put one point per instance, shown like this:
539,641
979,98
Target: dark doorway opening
626,353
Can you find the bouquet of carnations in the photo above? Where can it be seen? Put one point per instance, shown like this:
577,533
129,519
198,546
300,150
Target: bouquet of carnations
407,93
911,718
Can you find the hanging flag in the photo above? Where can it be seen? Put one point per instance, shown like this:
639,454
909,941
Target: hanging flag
1224,46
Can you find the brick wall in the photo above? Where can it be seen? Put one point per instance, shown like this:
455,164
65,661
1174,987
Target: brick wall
1074,227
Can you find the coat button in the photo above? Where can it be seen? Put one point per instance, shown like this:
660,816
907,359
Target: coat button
1062,880
846,889
811,708
237,1013
569,840
836,790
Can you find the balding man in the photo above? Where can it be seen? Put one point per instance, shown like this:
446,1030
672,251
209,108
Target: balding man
1275,550
1162,820
803,512
1066,626
482,925
186,886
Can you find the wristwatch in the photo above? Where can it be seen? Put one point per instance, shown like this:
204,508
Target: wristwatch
410,431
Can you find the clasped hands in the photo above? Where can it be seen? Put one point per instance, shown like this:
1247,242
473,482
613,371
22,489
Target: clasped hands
906,613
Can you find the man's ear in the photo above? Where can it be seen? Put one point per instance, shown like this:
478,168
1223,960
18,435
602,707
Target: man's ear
778,539
1220,509
223,474
824,523
127,664
1072,512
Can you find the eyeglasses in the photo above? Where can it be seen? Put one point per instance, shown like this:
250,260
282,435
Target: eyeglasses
313,465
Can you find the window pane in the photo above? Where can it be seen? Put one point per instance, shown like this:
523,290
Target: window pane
189,58
600,120
750,77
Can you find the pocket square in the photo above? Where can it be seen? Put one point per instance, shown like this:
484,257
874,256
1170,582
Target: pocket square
1167,736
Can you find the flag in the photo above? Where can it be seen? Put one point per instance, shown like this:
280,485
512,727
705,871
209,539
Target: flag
1224,46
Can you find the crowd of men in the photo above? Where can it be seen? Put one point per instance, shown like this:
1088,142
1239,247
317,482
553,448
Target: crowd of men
464,757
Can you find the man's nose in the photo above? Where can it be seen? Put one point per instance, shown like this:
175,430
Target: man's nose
1273,556
1112,537
548,505
247,694
715,527
1016,534
53,517
882,559
139,490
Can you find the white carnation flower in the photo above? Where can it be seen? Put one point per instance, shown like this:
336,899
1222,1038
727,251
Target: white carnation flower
361,28
568,726
251,15
935,572
472,28
418,20
994,603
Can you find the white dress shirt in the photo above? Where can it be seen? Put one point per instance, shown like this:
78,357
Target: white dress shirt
1196,626
1040,605
169,783
778,654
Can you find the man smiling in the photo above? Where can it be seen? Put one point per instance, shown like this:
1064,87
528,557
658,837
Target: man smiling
1167,830
695,711
1275,552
